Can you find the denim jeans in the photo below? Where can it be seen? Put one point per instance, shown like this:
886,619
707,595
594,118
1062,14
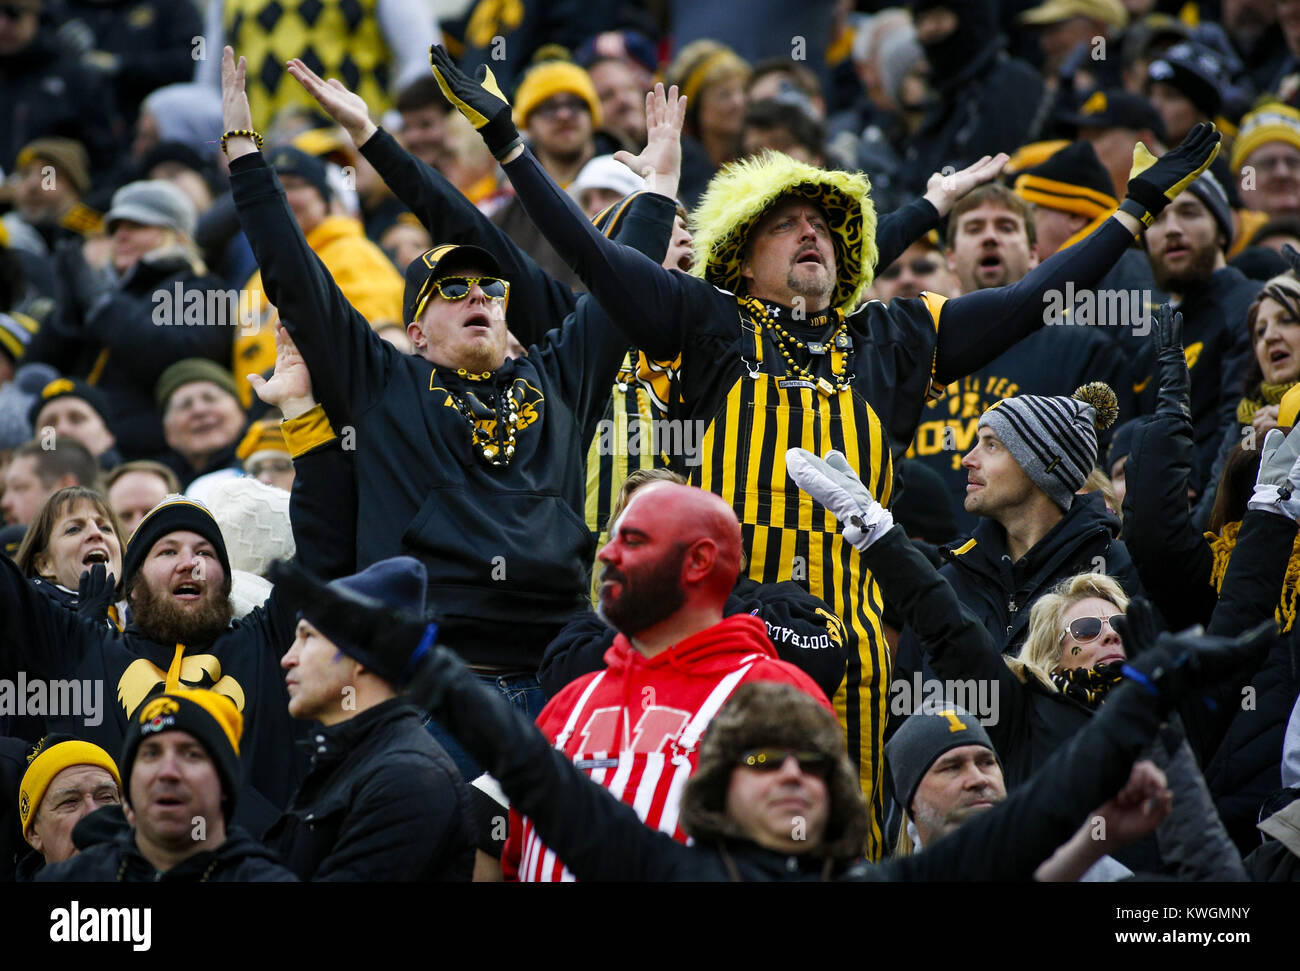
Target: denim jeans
522,690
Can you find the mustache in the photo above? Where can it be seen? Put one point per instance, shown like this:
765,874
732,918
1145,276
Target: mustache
609,573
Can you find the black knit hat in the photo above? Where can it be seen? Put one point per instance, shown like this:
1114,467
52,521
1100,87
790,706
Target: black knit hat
211,718
174,513
923,737
1072,180
69,388
287,160
769,713
1054,440
1195,72
439,262
1211,193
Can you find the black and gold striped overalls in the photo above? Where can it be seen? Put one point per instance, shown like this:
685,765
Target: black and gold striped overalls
788,536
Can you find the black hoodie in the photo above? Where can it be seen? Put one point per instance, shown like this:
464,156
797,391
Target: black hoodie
240,859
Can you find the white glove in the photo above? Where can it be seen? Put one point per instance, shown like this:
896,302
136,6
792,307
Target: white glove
1277,487
833,483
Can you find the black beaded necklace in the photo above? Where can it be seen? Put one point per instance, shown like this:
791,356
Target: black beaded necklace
841,379
498,410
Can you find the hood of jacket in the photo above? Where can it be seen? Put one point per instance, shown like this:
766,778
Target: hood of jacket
967,51
715,649
333,228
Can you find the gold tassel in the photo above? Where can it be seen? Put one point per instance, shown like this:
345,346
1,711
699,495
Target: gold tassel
1221,547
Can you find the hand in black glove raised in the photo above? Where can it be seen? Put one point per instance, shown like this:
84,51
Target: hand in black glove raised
479,99
1138,627
1182,666
1175,394
1155,182
96,592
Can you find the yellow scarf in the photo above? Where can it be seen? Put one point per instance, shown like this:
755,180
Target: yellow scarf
1222,545
1269,394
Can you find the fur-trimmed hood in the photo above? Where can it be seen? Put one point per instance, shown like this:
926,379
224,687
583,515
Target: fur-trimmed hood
743,191
768,713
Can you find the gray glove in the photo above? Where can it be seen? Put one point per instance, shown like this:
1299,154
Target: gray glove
833,483
1278,483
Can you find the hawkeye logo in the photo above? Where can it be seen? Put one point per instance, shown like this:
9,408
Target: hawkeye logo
526,399
142,679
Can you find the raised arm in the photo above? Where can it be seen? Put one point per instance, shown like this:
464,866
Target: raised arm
348,360
977,327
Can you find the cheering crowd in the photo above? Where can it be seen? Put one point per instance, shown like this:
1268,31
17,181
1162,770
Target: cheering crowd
638,442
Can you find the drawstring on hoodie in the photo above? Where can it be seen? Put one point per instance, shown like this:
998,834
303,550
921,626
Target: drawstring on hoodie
174,672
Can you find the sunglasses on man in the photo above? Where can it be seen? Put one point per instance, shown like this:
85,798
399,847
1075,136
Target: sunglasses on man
1085,629
459,287
771,759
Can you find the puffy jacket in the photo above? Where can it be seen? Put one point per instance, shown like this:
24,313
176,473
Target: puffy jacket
381,802
240,859
800,626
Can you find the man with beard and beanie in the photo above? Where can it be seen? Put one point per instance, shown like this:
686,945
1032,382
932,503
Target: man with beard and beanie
181,767
1186,246
774,797
671,562
176,580
768,340
983,102
381,801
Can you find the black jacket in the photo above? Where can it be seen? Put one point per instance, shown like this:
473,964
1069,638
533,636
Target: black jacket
381,802
240,859
507,548
601,838
130,335
801,627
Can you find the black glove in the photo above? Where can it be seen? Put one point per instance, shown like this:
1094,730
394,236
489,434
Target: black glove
1292,257
390,642
433,672
1182,666
96,592
1175,393
1139,627
479,100
1155,182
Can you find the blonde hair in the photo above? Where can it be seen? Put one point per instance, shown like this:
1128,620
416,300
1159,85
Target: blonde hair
1099,481
1041,653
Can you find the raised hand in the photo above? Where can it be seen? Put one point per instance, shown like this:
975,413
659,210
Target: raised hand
945,188
1277,486
479,99
289,387
833,483
1175,395
1138,808
96,592
344,106
1155,182
235,113
660,162
1181,666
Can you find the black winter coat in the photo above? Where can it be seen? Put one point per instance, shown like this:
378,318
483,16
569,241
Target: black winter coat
240,859
601,838
802,629
381,802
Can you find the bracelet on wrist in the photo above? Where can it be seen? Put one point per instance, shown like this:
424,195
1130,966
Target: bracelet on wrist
244,133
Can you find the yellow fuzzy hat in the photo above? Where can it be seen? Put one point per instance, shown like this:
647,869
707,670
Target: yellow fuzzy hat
550,78
743,191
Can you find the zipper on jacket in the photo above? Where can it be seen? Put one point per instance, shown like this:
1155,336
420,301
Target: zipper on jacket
1011,615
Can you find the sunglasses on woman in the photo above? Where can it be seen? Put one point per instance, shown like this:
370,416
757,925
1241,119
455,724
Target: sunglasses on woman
771,759
1084,629
459,287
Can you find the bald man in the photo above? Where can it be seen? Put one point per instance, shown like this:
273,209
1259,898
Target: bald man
672,559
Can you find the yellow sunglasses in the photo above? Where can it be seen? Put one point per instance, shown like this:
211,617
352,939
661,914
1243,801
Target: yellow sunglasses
459,287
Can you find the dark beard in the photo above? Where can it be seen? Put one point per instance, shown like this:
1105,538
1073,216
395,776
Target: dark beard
1194,275
654,596
160,618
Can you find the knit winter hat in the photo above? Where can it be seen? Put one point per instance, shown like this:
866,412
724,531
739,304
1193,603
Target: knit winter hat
1210,191
153,203
1072,180
192,369
262,436
768,713
287,160
1270,123
550,78
254,520
16,399
173,514
69,388
16,332
1195,72
924,736
1054,440
213,721
50,756
66,155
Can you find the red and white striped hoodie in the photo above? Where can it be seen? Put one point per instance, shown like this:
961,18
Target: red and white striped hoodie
635,727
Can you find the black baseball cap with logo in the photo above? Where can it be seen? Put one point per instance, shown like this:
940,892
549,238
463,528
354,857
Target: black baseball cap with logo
439,262
1117,108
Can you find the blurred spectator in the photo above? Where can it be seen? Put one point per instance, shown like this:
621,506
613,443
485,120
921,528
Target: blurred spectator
1112,122
185,113
713,78
133,488
375,48
785,127
1144,41
1277,233
1266,159
984,102
424,111
132,46
1065,26
603,182
1071,192
1186,87
402,240
53,176
265,454
45,92
74,409
15,334
621,85
202,418
781,79
921,267
35,473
